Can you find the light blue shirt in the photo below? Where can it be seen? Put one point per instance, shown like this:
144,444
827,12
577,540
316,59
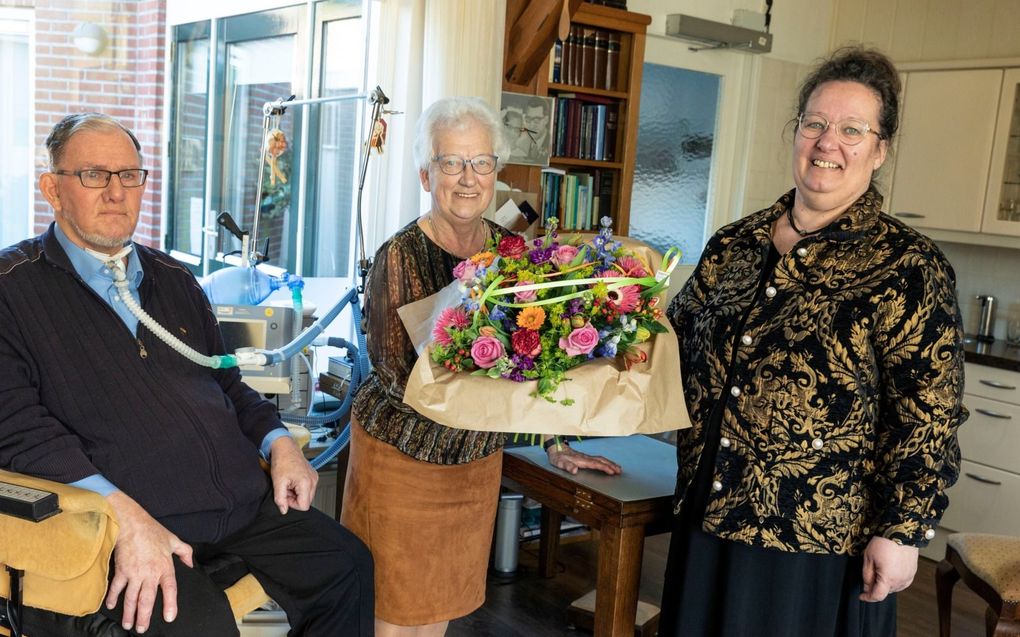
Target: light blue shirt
99,278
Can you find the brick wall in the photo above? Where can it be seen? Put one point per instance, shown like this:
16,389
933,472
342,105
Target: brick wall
124,80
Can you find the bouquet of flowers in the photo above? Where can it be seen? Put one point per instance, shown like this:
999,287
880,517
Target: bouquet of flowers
530,313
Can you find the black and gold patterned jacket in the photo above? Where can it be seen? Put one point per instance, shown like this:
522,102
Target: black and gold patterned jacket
841,377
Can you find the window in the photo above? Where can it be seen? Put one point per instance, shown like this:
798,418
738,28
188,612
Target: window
17,183
224,71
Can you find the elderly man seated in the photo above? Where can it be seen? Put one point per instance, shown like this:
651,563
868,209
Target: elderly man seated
90,397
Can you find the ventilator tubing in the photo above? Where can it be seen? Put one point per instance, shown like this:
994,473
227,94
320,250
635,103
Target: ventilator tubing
215,362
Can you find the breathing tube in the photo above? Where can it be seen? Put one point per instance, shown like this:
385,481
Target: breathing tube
120,280
255,357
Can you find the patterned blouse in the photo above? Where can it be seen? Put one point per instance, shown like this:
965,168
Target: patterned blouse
839,377
408,268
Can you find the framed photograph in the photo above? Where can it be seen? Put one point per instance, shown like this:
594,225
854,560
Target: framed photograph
527,124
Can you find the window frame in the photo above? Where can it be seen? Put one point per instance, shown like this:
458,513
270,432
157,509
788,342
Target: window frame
308,24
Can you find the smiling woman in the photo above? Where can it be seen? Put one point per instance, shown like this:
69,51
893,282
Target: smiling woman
823,354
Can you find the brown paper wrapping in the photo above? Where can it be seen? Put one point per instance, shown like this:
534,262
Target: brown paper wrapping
608,401
647,398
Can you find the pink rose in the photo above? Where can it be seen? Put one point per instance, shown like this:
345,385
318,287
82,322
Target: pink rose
486,350
526,296
465,271
581,341
564,255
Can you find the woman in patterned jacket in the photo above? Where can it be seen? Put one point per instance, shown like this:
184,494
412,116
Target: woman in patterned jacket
822,352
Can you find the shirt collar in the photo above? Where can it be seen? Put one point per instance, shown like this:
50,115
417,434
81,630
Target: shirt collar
88,267
860,217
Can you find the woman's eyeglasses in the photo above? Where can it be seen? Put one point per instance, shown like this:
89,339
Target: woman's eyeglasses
850,131
454,164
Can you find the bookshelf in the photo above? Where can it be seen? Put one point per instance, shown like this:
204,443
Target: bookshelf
596,102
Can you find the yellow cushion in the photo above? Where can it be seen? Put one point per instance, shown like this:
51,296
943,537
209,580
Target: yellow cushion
245,596
993,558
66,558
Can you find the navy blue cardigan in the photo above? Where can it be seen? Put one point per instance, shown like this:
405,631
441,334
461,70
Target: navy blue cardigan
80,394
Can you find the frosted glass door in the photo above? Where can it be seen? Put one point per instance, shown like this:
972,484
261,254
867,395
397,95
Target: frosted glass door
672,175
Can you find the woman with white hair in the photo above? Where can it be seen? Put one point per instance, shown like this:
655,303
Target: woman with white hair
423,496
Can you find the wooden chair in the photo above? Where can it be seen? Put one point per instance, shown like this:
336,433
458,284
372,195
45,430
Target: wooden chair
990,566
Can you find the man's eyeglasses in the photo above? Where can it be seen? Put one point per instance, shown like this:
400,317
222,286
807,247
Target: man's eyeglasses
454,164
850,131
96,178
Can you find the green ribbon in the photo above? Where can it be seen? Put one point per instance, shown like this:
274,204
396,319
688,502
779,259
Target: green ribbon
652,284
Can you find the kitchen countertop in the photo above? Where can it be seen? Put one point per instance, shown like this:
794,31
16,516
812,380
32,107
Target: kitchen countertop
994,354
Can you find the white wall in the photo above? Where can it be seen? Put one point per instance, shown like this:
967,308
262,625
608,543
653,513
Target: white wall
800,28
766,90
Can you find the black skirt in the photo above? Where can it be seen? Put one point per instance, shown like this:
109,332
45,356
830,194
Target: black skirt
720,588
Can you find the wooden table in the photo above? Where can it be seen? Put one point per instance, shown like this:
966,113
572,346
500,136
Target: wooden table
624,508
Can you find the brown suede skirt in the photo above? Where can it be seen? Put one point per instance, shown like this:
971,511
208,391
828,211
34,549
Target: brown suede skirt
429,527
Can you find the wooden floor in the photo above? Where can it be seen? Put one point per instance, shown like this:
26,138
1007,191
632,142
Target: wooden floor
528,605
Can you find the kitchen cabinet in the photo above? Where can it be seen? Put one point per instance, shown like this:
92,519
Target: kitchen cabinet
946,140
1002,203
984,498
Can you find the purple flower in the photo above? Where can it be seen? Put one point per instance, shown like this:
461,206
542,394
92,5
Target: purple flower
521,364
539,256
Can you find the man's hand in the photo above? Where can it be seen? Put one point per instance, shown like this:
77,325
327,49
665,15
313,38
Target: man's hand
143,559
563,457
294,479
888,568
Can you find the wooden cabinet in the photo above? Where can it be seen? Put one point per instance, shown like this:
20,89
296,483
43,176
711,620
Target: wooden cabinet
984,498
607,176
1002,202
944,146
957,172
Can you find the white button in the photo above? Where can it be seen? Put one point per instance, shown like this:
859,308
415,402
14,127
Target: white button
817,443
770,291
735,391
716,485
725,442
929,534
802,252
745,339
866,530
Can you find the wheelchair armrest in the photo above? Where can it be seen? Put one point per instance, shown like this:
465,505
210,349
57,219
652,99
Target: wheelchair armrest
66,557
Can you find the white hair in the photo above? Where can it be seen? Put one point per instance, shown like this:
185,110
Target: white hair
455,114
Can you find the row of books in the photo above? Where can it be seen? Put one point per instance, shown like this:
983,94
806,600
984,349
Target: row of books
584,127
588,57
577,199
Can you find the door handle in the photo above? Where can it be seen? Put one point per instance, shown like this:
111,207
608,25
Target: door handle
996,384
974,476
992,414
